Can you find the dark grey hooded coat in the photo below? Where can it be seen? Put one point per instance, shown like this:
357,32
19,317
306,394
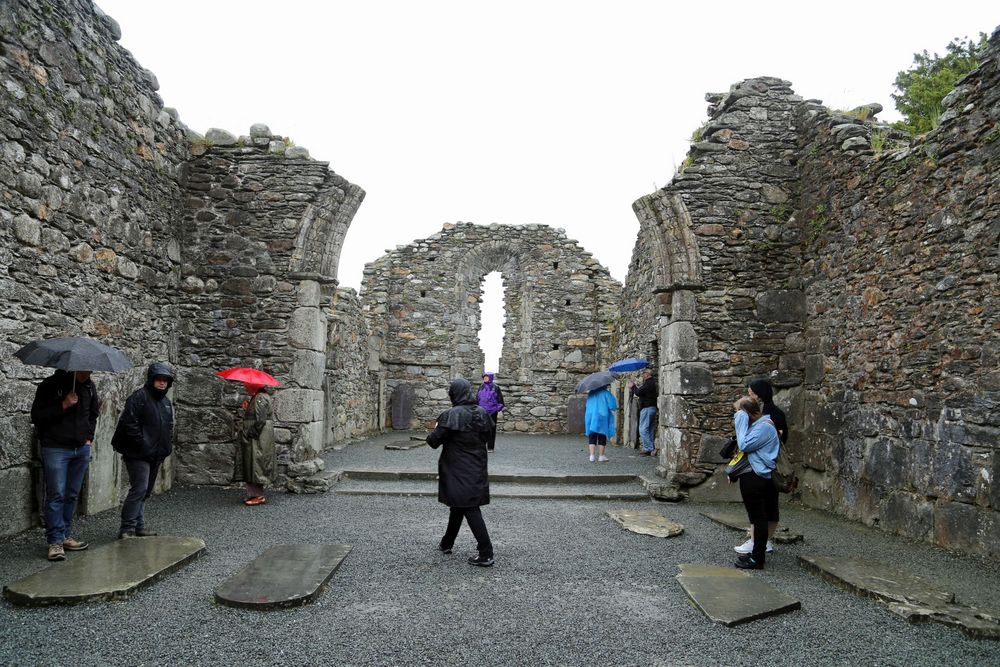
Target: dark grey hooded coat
146,425
463,480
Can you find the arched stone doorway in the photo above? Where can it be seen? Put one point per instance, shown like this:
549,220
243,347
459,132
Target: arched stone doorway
422,301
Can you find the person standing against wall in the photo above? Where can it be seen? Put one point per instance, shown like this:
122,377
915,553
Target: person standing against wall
599,420
256,462
490,398
463,477
647,395
757,438
65,412
144,438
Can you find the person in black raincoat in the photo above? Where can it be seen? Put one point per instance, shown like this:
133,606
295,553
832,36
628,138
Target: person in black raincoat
463,480
144,439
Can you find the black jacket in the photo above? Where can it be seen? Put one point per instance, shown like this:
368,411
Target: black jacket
145,427
64,428
463,480
647,393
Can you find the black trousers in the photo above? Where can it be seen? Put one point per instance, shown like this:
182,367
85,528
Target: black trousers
491,437
474,517
760,497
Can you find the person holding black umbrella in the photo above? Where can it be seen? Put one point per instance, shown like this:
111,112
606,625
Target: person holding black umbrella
65,412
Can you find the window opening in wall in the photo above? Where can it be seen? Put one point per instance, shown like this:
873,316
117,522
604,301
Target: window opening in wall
491,321
555,346
423,293
555,265
567,302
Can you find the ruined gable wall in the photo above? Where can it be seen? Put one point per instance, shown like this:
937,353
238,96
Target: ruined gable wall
715,271
88,194
422,301
897,425
261,226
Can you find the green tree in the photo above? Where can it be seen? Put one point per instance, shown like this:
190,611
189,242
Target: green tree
923,86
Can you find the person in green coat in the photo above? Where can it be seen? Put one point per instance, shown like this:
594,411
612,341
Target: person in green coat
256,462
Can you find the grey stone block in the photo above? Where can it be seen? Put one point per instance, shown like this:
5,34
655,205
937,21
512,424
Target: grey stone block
307,329
781,306
308,368
298,405
679,342
15,499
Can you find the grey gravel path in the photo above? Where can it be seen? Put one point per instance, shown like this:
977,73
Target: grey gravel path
570,586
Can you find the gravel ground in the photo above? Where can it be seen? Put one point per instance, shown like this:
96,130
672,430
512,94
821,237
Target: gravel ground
570,586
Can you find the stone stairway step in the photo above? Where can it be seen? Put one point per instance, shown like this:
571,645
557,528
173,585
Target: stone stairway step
525,478
629,491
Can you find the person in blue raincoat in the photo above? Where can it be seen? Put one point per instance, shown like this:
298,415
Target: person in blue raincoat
599,420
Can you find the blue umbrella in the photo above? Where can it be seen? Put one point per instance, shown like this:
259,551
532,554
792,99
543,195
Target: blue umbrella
626,365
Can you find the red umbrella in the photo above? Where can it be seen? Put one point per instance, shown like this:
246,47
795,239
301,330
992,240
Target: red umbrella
250,376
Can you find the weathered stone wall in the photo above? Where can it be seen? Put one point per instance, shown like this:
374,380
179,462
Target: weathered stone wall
862,280
897,424
353,374
714,279
88,195
119,223
262,232
422,301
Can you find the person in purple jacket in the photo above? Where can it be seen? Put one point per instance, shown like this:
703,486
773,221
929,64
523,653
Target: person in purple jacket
490,398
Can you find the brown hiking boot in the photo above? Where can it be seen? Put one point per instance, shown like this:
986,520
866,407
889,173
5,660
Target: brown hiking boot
56,552
72,544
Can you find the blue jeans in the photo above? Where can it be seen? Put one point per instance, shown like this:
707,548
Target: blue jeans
142,478
647,428
64,470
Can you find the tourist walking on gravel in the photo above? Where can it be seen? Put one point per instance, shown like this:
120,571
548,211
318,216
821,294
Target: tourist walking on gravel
599,420
757,438
490,398
463,479
65,412
144,439
762,390
256,462
647,395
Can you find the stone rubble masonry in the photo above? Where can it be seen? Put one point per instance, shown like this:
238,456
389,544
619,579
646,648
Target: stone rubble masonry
120,223
858,270
422,304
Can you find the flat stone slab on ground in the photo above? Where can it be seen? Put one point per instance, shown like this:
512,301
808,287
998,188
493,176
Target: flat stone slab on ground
109,572
646,522
739,521
907,595
286,575
406,444
730,596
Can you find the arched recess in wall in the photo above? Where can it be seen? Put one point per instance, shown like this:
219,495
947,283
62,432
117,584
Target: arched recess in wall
676,261
483,259
320,238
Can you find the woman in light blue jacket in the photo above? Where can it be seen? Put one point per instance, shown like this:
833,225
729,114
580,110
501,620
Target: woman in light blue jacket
599,420
758,439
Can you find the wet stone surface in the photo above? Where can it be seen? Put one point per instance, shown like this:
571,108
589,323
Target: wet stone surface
909,596
737,520
731,597
646,522
110,572
286,575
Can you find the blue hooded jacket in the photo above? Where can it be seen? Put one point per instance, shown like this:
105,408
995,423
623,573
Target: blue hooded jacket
600,414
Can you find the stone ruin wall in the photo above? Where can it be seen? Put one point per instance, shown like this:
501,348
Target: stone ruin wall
262,229
422,301
900,357
88,185
862,281
119,223
716,263
354,387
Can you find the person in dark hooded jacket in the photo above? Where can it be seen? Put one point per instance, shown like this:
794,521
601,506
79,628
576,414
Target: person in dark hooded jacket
144,439
463,480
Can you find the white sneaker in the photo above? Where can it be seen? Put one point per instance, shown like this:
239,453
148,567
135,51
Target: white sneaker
592,458
603,459
747,547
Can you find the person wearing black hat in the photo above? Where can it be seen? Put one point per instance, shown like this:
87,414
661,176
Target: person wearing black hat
144,439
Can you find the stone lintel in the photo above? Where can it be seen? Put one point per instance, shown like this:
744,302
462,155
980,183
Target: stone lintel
310,275
111,572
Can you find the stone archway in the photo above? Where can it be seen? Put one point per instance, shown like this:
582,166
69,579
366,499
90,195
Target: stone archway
423,301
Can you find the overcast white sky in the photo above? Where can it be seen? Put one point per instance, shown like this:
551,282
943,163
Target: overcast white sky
557,112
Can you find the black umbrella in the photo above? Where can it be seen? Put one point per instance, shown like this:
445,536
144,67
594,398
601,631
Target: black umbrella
74,354
595,381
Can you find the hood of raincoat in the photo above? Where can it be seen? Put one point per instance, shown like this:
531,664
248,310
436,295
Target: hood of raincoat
466,415
159,369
